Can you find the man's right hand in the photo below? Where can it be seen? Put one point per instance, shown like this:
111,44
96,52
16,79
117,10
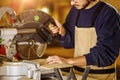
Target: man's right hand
58,28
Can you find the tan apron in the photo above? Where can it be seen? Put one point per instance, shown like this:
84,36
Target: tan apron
85,38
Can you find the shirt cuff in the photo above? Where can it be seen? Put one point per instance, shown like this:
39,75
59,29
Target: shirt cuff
90,58
61,38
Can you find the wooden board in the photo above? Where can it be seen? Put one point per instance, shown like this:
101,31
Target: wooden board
43,64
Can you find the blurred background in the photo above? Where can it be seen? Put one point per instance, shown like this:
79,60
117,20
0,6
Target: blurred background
53,7
56,8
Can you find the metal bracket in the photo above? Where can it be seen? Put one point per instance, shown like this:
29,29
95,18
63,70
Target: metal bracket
71,75
85,74
58,74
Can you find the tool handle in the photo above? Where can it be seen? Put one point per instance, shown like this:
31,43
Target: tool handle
26,31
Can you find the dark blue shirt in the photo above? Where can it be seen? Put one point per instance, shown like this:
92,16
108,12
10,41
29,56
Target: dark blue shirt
108,34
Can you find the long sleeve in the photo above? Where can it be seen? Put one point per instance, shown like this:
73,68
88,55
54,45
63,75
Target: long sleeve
107,27
107,48
68,40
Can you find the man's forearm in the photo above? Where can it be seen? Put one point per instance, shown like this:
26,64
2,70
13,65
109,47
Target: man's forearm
77,61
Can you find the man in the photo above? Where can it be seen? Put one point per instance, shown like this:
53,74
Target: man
92,27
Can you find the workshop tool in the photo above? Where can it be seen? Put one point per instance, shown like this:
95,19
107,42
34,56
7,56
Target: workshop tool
30,70
26,35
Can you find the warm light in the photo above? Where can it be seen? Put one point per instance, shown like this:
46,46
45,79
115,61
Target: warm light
20,5
27,1
45,9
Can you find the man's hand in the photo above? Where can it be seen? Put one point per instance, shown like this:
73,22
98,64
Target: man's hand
77,61
58,28
55,59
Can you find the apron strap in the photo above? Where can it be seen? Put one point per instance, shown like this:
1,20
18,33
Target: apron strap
96,13
77,17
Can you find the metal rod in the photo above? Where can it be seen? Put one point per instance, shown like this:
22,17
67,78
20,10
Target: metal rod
85,74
